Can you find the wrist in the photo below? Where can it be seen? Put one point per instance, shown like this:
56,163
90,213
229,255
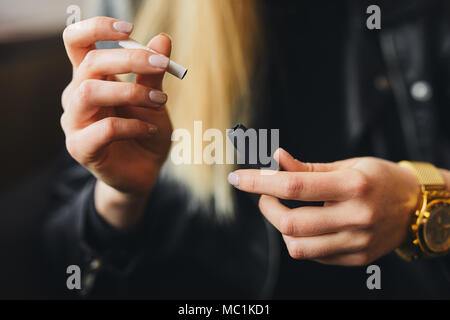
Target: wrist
446,176
121,210
426,236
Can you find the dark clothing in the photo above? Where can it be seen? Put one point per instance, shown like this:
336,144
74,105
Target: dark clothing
346,92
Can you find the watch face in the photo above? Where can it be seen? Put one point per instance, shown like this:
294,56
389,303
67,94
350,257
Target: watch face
437,228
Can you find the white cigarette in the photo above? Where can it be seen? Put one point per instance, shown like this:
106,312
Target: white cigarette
174,68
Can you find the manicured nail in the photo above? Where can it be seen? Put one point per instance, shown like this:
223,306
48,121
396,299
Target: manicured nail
233,179
159,61
123,26
167,35
152,129
158,97
276,154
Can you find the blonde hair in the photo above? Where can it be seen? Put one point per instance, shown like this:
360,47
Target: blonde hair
217,41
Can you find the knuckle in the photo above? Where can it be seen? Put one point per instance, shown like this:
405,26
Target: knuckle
97,23
129,56
132,56
63,121
65,97
291,187
310,167
109,128
363,242
131,92
253,182
66,33
287,225
71,147
362,259
85,90
140,126
367,218
261,204
137,57
296,252
90,59
359,185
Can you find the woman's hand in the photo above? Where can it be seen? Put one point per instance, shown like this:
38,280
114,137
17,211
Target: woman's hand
119,131
367,209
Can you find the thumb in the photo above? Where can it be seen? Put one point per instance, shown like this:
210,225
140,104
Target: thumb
163,45
289,163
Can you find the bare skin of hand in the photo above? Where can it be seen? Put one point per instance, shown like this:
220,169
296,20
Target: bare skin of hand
119,131
367,209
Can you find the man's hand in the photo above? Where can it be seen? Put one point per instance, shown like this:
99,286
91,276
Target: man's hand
367,206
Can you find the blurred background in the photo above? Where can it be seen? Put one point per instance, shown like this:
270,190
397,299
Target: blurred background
34,71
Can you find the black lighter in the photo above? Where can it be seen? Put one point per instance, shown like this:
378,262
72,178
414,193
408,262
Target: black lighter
251,149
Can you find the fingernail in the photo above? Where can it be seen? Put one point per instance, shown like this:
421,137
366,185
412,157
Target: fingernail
159,61
158,97
276,154
167,35
152,129
233,179
123,26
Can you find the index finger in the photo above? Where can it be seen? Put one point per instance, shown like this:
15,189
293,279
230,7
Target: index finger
305,186
80,38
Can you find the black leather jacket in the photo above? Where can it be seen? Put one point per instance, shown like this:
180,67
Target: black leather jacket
390,90
414,54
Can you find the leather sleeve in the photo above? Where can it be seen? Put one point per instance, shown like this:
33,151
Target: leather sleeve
183,245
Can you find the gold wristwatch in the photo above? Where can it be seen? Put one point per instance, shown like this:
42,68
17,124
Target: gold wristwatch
429,234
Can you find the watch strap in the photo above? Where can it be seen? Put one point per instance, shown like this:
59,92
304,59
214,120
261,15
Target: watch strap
430,178
426,173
